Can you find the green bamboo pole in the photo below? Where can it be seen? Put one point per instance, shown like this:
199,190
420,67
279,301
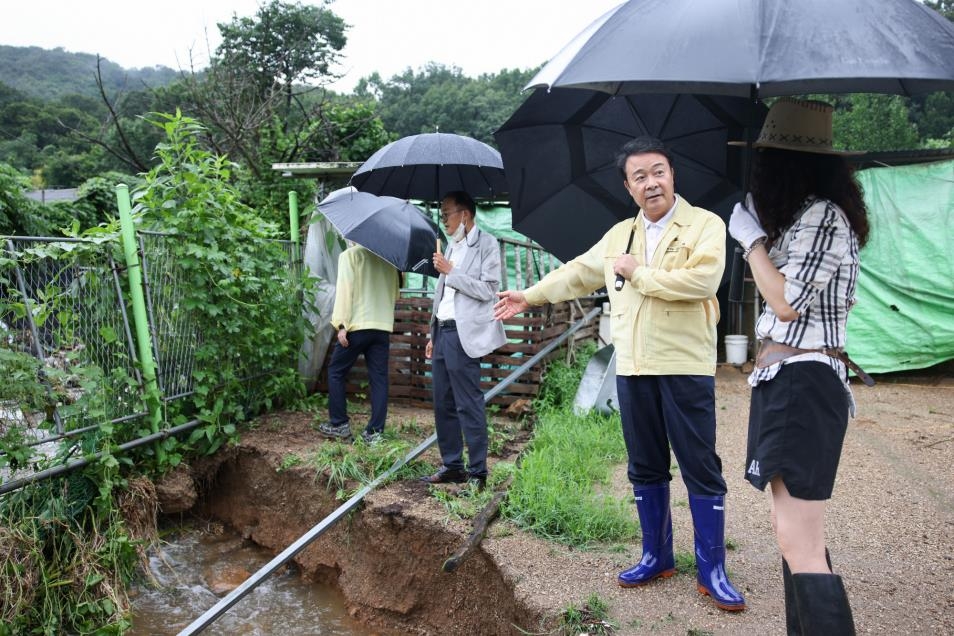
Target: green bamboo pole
144,344
293,219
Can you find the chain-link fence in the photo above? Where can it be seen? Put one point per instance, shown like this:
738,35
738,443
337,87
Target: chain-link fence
68,359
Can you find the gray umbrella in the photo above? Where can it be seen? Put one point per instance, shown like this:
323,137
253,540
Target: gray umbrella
753,48
429,165
397,231
559,150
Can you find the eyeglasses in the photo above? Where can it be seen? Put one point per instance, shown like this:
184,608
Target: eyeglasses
447,215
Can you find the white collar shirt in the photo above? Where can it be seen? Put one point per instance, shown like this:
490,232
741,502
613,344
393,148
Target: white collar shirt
654,231
456,253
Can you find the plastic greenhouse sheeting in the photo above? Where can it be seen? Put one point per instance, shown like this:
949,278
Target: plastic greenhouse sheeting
904,318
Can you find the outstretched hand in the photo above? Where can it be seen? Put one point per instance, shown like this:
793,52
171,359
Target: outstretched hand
511,303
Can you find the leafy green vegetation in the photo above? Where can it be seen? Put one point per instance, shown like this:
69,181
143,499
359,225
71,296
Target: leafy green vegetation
67,549
226,262
66,556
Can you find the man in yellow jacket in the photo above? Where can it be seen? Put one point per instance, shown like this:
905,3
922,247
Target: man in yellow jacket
661,271
364,317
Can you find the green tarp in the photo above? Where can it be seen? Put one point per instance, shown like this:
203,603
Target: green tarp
904,318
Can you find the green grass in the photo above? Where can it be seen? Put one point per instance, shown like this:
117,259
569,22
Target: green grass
65,558
591,618
346,467
553,494
463,503
466,502
685,562
289,461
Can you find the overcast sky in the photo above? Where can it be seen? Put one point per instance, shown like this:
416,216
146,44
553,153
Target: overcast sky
388,36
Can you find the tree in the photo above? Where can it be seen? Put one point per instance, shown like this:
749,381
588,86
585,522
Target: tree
443,98
864,121
282,45
18,214
944,7
345,131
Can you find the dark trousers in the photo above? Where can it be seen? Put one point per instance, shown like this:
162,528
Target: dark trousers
659,411
458,404
375,345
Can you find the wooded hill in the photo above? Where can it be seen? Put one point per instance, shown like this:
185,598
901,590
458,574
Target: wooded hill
50,74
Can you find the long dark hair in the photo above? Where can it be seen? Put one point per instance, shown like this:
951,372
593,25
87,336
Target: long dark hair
782,180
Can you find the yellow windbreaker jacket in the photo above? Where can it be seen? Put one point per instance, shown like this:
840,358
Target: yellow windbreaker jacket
664,319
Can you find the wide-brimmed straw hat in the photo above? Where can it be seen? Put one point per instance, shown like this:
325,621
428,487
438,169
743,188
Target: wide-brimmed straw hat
800,125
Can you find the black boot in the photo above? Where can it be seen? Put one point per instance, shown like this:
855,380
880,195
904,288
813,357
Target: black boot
792,626
823,605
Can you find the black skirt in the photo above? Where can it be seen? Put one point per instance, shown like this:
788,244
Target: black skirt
797,423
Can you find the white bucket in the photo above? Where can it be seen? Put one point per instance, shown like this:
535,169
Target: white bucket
736,349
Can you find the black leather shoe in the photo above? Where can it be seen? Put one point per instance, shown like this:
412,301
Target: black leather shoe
446,476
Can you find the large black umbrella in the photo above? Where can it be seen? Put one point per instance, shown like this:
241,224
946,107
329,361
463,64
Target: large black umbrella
397,231
429,165
559,152
759,48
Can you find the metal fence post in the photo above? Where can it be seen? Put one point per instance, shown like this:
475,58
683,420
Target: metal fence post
293,219
134,272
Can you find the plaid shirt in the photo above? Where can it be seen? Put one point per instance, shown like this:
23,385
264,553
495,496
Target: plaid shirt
818,255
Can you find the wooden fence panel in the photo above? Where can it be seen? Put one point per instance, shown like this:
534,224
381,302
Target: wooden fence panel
409,371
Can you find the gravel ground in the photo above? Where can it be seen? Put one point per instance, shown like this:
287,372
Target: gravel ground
890,530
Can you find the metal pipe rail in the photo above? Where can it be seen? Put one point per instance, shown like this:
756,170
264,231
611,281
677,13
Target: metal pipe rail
213,613
78,463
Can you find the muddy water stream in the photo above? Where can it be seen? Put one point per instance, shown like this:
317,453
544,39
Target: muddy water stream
190,564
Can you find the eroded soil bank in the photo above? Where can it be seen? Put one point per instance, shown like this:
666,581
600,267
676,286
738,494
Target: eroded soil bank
385,558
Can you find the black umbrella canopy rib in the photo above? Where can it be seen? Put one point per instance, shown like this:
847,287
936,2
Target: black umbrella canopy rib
560,150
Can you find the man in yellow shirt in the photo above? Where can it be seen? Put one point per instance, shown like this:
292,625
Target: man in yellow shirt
662,270
364,316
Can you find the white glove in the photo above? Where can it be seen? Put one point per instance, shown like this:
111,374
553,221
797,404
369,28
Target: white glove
744,224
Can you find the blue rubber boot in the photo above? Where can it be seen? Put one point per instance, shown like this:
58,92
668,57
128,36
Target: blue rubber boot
652,504
708,518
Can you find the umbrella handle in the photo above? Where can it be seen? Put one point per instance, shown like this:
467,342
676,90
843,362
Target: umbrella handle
620,281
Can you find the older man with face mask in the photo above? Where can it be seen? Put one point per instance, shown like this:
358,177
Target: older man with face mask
463,330
662,269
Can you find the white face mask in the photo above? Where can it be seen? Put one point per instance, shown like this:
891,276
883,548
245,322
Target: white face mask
459,233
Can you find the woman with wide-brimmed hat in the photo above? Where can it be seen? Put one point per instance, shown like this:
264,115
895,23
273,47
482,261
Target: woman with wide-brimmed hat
801,227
